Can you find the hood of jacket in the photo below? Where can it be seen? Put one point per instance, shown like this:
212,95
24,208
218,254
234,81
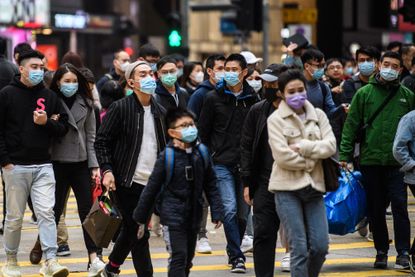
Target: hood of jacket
247,90
161,90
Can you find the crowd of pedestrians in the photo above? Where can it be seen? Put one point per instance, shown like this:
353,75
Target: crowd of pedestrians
171,139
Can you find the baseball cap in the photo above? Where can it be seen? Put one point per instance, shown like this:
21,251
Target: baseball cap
130,68
270,73
250,57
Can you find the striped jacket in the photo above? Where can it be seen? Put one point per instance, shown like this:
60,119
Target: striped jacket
118,141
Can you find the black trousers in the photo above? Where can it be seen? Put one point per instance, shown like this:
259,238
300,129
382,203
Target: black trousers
266,225
126,200
77,177
383,184
180,243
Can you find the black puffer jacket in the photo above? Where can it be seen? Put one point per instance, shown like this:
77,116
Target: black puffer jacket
221,122
166,100
254,126
181,201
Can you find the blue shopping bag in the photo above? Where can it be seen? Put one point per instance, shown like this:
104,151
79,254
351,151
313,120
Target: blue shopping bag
346,206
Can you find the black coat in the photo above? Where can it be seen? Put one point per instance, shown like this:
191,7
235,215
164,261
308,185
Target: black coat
254,126
118,141
181,201
166,100
221,121
7,71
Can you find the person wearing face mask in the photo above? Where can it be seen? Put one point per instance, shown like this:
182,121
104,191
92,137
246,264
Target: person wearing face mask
120,63
149,53
131,136
215,71
254,81
192,76
168,92
179,58
178,198
367,58
31,116
220,125
384,101
300,137
256,166
76,167
318,93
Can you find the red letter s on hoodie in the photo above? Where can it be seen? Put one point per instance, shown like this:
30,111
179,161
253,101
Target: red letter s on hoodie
40,104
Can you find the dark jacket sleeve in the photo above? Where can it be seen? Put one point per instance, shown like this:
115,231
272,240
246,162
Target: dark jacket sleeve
106,135
206,119
58,128
101,83
247,141
4,156
348,90
196,102
148,197
212,194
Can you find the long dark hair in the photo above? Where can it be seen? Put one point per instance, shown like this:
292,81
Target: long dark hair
83,87
187,71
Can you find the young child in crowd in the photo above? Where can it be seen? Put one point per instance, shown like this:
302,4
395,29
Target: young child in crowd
181,174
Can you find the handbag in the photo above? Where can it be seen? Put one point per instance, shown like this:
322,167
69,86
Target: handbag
331,170
103,221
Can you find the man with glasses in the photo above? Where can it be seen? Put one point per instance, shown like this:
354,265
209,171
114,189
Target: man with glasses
127,144
168,92
318,93
220,124
367,59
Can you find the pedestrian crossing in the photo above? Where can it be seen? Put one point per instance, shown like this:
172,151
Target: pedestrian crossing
352,258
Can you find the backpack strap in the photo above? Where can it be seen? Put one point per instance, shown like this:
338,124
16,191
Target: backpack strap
109,76
204,152
324,90
169,164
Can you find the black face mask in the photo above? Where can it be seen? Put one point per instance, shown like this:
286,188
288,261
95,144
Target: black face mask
270,94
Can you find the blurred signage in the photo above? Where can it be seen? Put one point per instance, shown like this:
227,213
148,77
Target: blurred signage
70,21
25,13
303,29
396,19
51,54
299,16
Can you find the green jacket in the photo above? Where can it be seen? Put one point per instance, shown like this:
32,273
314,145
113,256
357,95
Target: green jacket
376,148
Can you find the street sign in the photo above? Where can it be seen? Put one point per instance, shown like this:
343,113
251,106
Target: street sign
299,16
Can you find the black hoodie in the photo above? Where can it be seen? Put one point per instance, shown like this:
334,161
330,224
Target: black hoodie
21,140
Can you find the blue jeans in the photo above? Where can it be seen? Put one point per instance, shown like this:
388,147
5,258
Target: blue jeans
235,209
303,214
38,181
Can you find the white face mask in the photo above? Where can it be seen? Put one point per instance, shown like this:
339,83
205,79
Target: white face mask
198,77
255,84
123,66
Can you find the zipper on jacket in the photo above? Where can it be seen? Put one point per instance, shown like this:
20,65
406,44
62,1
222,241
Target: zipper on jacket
135,145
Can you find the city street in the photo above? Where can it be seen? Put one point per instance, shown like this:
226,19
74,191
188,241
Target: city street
349,256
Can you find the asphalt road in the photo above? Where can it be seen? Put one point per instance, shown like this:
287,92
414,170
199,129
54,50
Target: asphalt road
349,255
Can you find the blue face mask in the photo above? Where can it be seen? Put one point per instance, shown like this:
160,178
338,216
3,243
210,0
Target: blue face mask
189,134
148,85
69,89
153,67
318,74
366,68
232,78
169,79
349,71
36,76
389,74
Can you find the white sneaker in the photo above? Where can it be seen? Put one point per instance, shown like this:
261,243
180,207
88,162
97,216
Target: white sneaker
11,268
247,244
51,268
96,268
285,263
203,246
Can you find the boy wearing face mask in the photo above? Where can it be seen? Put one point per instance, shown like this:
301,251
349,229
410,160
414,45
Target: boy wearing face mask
182,173
27,128
127,144
382,178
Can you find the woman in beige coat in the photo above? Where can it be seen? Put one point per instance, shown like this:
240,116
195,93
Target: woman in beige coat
300,136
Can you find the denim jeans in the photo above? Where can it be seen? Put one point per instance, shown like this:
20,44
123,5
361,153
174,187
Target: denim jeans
303,214
235,209
384,185
38,181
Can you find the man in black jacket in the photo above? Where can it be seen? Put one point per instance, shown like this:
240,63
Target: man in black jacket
256,167
128,141
120,63
30,116
220,125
